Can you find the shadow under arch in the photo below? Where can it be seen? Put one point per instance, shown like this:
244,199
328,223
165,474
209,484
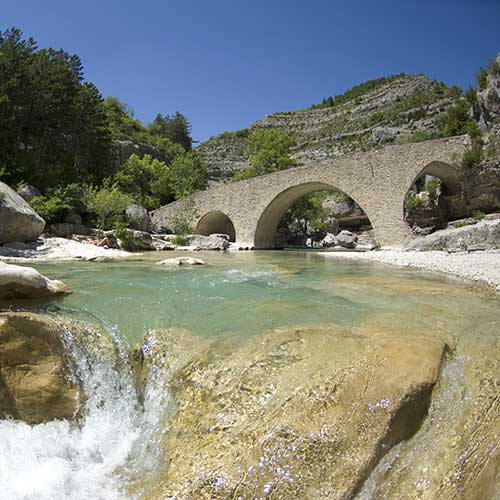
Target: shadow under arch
443,171
271,216
216,222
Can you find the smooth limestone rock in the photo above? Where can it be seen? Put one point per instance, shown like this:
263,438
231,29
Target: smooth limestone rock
35,373
182,261
346,239
212,242
18,221
138,217
481,236
293,414
328,241
17,282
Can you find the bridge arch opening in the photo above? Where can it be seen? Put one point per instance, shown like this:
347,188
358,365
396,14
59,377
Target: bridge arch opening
216,223
337,211
426,204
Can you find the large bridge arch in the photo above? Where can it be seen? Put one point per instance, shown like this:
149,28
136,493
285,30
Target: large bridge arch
271,216
377,180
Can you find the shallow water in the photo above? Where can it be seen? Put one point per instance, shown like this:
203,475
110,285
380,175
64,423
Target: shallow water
236,294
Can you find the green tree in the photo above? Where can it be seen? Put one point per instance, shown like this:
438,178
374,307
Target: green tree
176,128
188,174
108,204
53,128
269,151
147,180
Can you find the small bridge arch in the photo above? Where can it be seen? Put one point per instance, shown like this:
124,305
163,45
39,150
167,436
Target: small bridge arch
216,222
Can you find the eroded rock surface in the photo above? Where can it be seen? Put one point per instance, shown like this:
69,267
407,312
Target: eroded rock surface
36,383
297,413
18,221
17,282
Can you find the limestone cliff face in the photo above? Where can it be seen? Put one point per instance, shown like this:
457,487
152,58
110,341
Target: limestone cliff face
398,109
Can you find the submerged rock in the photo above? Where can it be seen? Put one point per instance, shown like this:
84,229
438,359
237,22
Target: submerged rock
17,282
182,261
297,413
36,383
18,221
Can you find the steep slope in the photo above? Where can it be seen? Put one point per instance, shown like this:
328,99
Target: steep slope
401,108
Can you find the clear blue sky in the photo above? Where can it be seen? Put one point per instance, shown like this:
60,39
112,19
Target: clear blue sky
225,64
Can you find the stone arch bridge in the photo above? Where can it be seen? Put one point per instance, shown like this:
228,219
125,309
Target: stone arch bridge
250,210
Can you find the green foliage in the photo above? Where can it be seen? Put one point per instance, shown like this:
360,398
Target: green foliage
493,67
175,128
413,202
431,187
182,224
188,174
471,159
127,240
55,205
477,214
124,126
269,151
420,136
147,180
457,119
109,205
307,213
356,92
53,127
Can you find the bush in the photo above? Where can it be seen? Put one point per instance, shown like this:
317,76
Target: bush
127,240
108,204
471,158
183,221
420,136
55,206
478,215
431,188
413,202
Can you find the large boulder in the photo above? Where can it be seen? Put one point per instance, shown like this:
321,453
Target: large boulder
469,238
212,242
17,282
137,217
329,241
36,375
18,221
295,413
346,239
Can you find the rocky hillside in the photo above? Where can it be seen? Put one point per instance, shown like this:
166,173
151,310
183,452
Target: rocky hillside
402,108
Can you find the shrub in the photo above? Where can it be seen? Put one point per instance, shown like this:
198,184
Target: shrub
471,158
431,187
182,224
478,215
55,205
420,136
108,204
127,240
413,202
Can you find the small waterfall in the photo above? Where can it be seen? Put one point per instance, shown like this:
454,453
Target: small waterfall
96,458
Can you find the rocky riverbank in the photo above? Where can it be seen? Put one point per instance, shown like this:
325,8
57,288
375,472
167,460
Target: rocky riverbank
478,267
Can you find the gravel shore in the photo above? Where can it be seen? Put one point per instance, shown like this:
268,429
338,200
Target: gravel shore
479,267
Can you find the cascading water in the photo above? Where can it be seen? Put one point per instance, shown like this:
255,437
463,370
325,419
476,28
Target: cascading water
95,458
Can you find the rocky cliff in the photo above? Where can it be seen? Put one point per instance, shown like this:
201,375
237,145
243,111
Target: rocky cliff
402,108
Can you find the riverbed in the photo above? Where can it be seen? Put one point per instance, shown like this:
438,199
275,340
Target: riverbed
236,295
